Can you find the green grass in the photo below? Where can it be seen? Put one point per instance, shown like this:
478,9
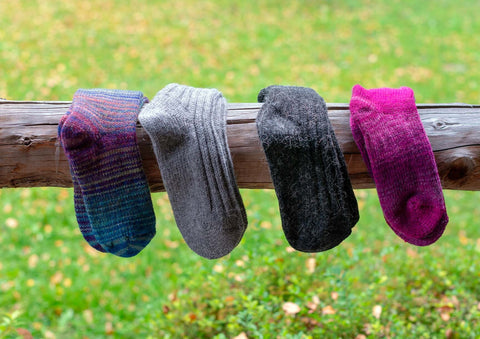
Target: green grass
55,286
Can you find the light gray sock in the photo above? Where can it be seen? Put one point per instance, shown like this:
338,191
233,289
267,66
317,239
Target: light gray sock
187,127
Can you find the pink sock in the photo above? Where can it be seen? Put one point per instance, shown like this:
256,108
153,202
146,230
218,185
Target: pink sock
389,134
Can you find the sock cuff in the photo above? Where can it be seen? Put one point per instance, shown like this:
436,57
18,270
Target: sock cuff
383,100
135,97
111,107
270,93
191,97
292,106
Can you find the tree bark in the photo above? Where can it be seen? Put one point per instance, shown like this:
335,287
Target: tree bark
29,156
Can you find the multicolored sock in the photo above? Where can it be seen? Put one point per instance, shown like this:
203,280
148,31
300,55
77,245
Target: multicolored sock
187,126
317,203
80,211
99,139
394,146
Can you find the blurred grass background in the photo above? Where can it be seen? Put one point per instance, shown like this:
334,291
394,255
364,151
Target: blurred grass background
372,285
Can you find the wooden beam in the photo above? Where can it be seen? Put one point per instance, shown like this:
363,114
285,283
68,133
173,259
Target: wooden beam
28,152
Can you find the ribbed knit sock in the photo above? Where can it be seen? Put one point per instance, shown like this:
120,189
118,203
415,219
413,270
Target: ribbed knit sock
187,127
100,143
317,204
80,211
394,146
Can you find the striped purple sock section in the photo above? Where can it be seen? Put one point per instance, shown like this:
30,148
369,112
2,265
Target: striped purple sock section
80,210
99,139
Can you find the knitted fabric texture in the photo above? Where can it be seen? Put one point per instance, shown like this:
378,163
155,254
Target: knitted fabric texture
394,146
317,204
80,210
187,127
99,139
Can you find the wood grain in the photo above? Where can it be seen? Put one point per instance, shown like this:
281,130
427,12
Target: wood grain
28,152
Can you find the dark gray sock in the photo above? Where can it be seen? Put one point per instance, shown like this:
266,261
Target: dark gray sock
187,127
317,204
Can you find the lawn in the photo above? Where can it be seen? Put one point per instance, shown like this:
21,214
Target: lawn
373,285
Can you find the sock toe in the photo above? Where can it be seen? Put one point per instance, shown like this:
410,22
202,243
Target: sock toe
128,247
420,218
212,242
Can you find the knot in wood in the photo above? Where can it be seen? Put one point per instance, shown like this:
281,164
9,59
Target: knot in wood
439,124
27,141
461,168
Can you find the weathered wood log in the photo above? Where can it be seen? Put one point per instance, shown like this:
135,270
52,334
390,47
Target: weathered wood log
28,152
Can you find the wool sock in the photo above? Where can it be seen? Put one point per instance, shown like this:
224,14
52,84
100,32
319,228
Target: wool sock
187,127
317,204
100,143
394,146
80,211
